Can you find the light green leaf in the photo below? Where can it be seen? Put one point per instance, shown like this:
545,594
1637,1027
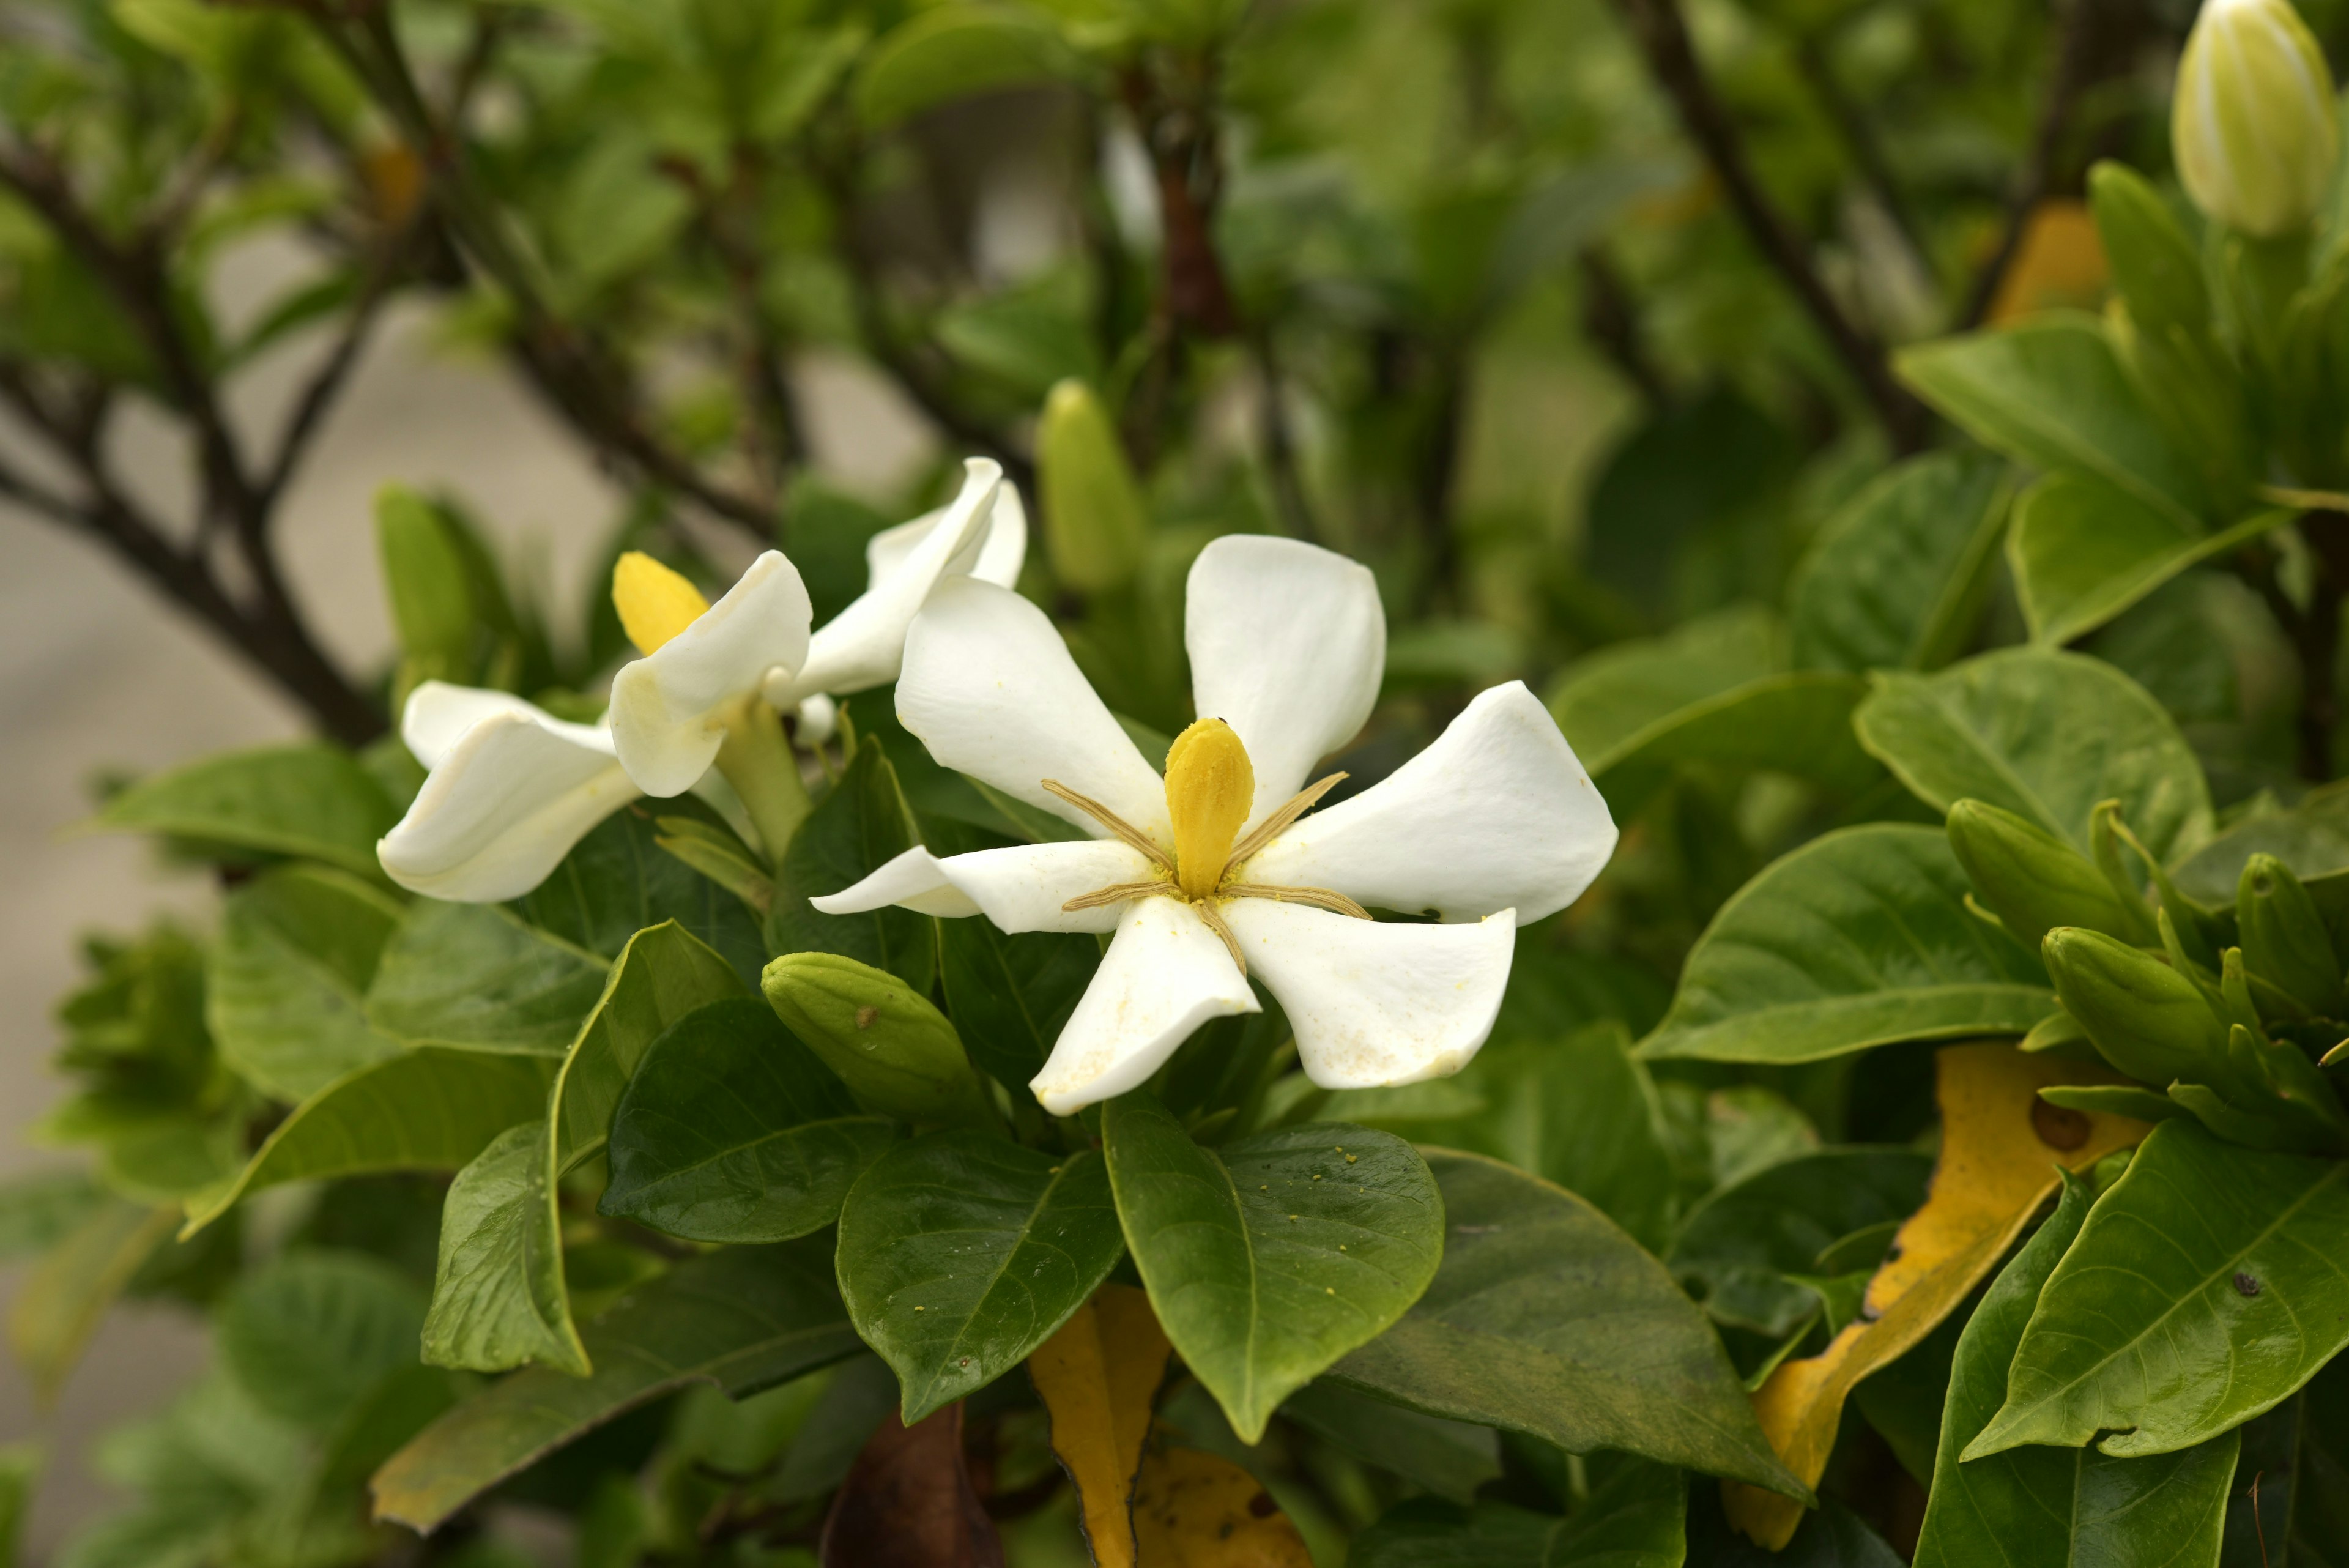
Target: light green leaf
313,801
1605,701
2051,393
1737,1248
1637,1519
2083,552
743,1320
2205,1287
1545,1319
1859,938
663,974
1273,1256
2055,1508
285,985
1798,724
952,52
498,1295
472,976
731,1130
859,827
309,1333
895,1052
2045,735
1895,580
959,1253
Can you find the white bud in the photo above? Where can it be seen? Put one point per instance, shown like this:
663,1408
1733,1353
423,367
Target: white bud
2253,123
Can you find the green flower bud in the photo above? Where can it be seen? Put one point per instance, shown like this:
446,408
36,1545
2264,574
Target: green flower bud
2143,1017
1094,523
2285,941
2032,880
897,1054
424,572
2252,122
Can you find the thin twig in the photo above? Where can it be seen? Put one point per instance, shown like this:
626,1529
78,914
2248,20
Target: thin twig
2067,76
1664,37
1611,319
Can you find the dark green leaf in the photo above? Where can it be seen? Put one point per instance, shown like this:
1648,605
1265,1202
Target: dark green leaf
1738,1246
2320,1515
619,880
311,1331
285,985
472,976
1798,724
1895,580
313,800
861,825
663,974
1636,1520
1011,995
1603,702
1450,1459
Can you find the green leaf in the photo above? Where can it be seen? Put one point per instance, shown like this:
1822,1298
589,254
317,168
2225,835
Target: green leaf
1273,1256
2312,839
2204,1288
472,976
1604,702
1636,1520
2046,736
1798,724
1859,938
309,1333
861,825
313,801
498,1295
1737,1248
58,1306
953,52
1096,527
1895,580
1450,1459
731,1130
1545,1319
959,1253
40,1209
2319,1514
619,880
1011,995
285,985
2083,552
431,1108
743,1320
2050,393
425,576
897,1053
2051,1508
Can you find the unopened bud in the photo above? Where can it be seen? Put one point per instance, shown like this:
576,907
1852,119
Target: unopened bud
2032,880
897,1054
2285,940
2251,123
1094,524
2143,1017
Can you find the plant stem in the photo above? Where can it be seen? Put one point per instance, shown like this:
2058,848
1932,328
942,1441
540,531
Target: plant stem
758,761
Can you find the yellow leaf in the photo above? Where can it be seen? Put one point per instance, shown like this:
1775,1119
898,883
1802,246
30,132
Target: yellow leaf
1097,1377
1999,1146
2059,262
1194,1511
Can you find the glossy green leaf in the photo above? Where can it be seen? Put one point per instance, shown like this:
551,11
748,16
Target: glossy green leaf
731,1130
2051,393
2057,1508
663,974
309,1333
1273,1256
313,801
498,1296
1636,1520
285,985
2083,552
619,880
1895,580
743,1319
1546,1319
1011,995
895,1052
2205,1287
861,825
474,976
1450,1459
1737,1248
2046,736
1798,724
959,1253
431,1108
952,52
1604,702
1859,938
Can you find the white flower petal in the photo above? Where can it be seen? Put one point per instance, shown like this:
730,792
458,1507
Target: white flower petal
438,715
1001,552
667,708
861,647
1497,813
1288,647
1377,1003
1021,888
501,808
1164,975
990,690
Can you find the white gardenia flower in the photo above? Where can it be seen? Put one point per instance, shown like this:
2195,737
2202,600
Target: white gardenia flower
1215,873
512,788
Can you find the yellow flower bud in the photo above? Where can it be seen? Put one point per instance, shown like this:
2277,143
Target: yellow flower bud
2252,123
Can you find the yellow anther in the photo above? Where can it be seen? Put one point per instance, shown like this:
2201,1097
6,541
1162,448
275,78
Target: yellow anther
654,603
1210,787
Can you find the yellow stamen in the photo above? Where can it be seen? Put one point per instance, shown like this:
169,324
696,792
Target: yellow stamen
1210,787
655,602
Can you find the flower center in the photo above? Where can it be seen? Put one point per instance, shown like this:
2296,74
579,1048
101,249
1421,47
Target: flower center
655,602
1210,787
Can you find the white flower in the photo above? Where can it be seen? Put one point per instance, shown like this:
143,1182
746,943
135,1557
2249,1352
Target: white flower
1215,873
512,788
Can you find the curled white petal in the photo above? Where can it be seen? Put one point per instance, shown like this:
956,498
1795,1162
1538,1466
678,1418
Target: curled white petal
860,647
1376,1003
503,807
1165,974
1288,646
438,715
990,690
1021,888
668,708
1497,813
998,558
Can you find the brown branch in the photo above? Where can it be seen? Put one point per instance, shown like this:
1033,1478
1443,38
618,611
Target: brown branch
1813,54
2067,77
1663,39
1611,319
